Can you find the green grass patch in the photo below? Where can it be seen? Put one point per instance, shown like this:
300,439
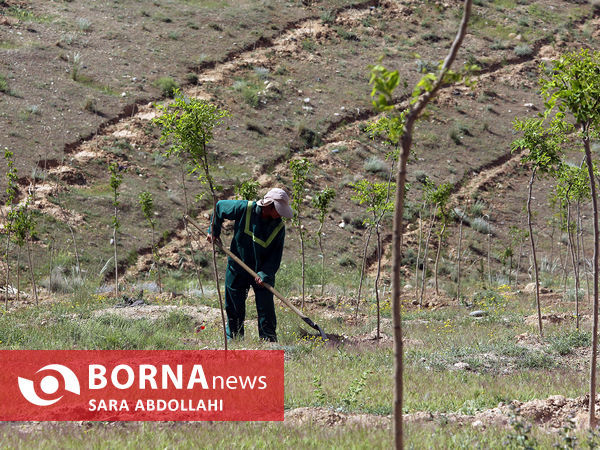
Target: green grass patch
202,435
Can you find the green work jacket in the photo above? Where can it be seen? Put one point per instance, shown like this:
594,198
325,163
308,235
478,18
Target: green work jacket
256,241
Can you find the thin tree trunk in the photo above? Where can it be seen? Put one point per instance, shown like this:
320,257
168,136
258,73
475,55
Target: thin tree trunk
437,256
411,117
35,295
303,262
552,241
7,269
518,263
75,247
489,242
377,280
319,233
19,274
51,250
592,404
155,257
532,241
459,256
574,260
214,249
425,251
510,258
362,272
585,261
188,233
116,261
418,256
566,266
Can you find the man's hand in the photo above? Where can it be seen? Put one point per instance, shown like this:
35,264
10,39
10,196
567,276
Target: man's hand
210,239
258,281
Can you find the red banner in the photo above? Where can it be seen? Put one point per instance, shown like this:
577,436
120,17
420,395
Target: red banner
141,385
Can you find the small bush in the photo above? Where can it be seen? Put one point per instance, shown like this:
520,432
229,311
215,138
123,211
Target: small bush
167,85
375,165
328,17
477,208
346,35
3,84
62,281
346,261
191,78
455,136
261,72
431,37
84,24
500,45
249,92
482,226
523,50
309,138
309,45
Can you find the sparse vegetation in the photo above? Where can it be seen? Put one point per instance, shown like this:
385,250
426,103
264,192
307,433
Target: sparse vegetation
167,85
293,75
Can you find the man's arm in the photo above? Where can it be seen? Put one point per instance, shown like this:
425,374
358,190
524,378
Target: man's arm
225,209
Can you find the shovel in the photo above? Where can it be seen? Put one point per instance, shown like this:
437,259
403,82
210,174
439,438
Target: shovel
309,322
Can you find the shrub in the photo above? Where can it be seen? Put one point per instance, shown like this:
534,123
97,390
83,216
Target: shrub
192,78
328,17
375,165
309,45
347,261
455,136
261,72
249,92
346,35
84,24
523,50
3,84
481,225
167,85
431,37
309,138
477,208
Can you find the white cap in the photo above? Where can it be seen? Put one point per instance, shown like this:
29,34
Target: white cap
281,200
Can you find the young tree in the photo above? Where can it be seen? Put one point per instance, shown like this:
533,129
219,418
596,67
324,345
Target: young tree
461,217
376,197
300,169
401,127
321,202
23,230
147,205
247,190
518,237
190,124
182,166
440,198
427,187
543,151
11,191
572,85
116,178
572,186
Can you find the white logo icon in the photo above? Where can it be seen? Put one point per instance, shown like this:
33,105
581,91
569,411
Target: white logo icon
49,385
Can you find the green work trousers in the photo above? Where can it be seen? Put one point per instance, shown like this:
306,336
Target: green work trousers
237,286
